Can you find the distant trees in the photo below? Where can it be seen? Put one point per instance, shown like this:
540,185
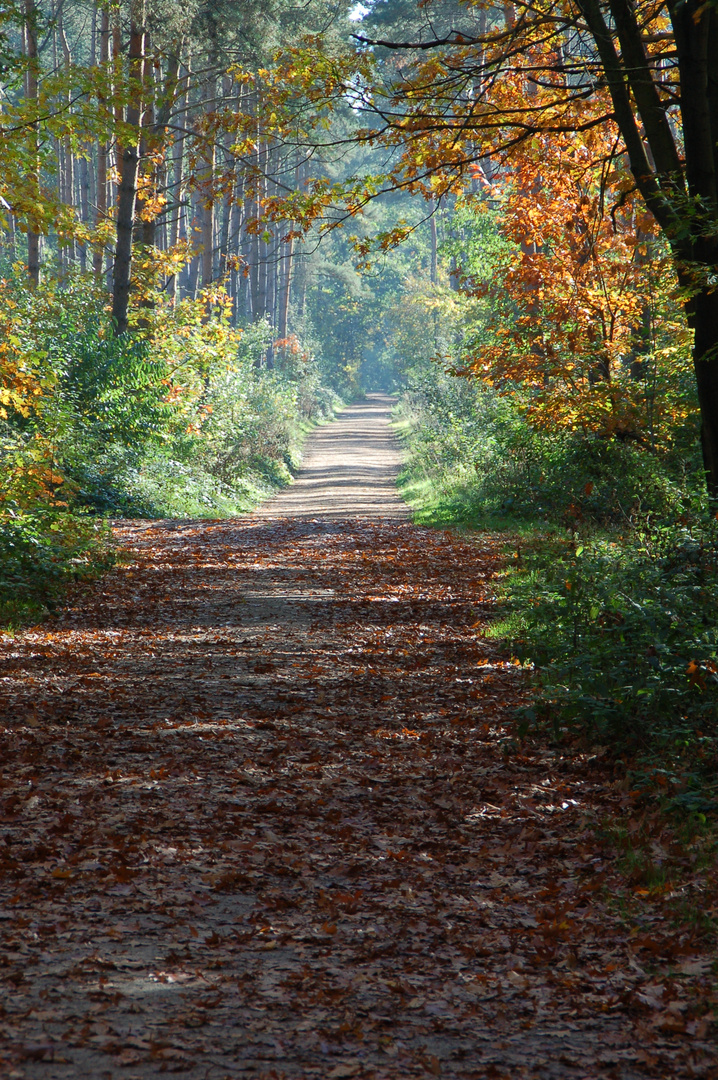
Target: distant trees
494,81
133,132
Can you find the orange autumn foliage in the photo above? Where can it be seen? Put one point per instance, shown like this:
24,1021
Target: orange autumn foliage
583,307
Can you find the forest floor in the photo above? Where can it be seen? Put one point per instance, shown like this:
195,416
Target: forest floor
262,814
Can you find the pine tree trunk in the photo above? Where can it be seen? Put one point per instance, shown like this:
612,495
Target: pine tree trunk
102,153
235,248
206,188
31,88
177,229
130,161
433,264
285,290
114,160
68,160
146,223
84,193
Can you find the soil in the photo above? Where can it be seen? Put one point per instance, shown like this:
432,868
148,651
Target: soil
349,469
263,814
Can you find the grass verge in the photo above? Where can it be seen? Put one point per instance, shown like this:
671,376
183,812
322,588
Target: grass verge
610,592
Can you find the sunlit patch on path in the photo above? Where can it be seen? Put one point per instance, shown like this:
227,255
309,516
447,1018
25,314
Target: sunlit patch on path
349,470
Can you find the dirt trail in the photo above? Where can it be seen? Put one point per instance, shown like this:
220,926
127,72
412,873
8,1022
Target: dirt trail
260,816
350,469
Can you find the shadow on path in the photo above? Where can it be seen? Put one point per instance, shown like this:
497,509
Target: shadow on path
350,469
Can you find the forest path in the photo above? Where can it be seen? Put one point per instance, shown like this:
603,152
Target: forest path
349,469
260,816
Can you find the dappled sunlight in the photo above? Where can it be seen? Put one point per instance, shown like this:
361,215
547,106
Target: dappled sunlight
274,761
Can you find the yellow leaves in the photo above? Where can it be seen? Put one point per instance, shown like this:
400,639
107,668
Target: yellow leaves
20,375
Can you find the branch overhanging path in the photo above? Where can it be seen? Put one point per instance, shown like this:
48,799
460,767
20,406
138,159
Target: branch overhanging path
260,817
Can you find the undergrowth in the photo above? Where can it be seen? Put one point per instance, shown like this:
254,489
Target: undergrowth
610,595
42,553
623,637
188,418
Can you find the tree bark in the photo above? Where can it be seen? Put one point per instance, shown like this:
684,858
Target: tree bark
165,107
434,249
31,91
68,160
84,185
177,223
146,225
206,186
285,291
102,152
130,160
702,313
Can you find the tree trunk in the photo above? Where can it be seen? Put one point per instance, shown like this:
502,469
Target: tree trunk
102,153
171,93
30,34
702,312
84,183
641,343
235,248
114,161
433,261
130,161
285,290
12,239
177,229
146,223
68,160
205,183
696,34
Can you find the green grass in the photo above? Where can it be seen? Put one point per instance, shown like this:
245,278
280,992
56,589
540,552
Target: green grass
610,590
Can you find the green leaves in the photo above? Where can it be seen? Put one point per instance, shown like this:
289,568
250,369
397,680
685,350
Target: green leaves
629,651
42,551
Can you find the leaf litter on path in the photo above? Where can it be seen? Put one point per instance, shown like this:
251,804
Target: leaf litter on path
261,814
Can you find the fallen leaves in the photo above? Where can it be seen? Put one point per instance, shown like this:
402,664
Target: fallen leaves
297,837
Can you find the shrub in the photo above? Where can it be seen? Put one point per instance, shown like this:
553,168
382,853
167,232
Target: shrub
612,594
42,552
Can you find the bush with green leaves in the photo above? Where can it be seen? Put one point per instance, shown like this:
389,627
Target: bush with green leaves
107,411
42,552
472,456
623,637
182,419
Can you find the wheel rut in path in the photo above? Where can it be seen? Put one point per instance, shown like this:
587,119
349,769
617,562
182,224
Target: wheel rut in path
260,817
